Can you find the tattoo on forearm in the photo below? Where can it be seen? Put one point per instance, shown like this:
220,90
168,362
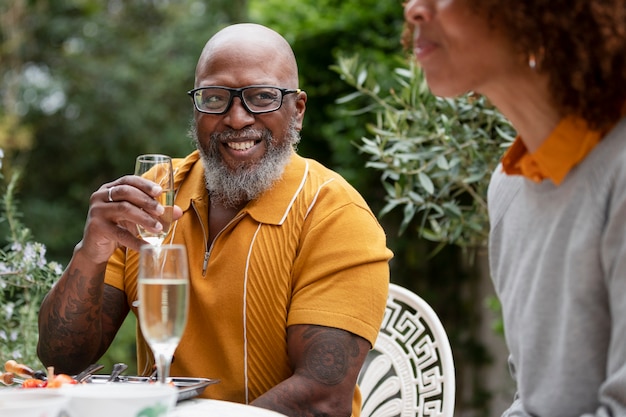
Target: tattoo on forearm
77,306
329,353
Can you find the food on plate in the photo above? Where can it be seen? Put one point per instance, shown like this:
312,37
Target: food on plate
34,383
18,369
7,378
32,379
56,381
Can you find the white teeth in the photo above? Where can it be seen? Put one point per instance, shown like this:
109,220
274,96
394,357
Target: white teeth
241,146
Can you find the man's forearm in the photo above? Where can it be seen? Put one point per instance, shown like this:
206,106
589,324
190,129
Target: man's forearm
70,321
295,397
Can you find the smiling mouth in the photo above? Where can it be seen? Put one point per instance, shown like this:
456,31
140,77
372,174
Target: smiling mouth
241,146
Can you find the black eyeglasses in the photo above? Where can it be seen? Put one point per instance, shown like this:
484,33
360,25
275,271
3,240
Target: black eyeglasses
255,98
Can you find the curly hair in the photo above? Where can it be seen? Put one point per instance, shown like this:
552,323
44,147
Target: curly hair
579,44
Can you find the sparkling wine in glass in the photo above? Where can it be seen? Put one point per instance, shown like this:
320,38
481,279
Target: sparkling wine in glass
163,301
158,168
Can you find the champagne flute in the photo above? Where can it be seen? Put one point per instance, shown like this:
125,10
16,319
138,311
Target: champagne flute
158,168
163,301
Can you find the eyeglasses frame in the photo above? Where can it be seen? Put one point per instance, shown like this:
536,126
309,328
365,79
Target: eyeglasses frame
238,92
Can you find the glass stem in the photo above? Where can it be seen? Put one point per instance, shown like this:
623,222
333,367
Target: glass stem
163,362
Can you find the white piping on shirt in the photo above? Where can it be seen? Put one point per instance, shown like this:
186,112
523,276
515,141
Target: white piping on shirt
295,195
245,283
245,307
315,198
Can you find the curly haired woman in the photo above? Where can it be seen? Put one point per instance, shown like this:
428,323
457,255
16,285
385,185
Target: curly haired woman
557,70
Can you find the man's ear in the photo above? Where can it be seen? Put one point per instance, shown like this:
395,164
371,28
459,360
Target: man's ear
300,109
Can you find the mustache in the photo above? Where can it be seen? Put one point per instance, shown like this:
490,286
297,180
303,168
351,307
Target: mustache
248,133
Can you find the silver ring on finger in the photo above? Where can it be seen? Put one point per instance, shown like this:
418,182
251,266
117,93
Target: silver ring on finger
111,195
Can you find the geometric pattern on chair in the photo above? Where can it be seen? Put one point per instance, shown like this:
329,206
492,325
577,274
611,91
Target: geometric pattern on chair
410,370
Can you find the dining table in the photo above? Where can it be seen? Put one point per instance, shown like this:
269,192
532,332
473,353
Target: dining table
203,407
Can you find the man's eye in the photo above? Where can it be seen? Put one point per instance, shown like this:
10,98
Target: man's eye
213,99
263,98
266,96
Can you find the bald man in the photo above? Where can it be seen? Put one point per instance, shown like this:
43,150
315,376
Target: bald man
288,266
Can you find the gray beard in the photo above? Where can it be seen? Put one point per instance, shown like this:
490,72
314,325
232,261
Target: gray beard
232,188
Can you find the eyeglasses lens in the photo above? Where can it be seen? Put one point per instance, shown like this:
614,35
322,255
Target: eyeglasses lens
256,99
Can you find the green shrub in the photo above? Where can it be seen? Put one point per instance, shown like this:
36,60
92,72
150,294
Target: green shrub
435,155
25,278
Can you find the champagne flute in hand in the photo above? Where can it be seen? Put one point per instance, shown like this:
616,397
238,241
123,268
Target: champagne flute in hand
163,301
158,169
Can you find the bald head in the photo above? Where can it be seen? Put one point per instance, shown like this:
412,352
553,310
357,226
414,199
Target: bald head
249,44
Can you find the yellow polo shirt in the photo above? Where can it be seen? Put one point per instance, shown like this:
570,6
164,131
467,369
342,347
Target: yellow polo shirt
308,251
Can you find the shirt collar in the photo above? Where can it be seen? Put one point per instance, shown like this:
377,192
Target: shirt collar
270,207
273,205
568,144
189,181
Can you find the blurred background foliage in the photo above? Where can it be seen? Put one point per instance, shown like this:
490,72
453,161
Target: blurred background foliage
435,155
86,85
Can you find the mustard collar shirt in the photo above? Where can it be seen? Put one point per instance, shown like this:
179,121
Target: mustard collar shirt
307,251
568,144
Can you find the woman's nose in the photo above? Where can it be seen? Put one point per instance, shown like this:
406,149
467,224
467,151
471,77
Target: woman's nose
416,11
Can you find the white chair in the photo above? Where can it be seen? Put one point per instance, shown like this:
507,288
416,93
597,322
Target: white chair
410,370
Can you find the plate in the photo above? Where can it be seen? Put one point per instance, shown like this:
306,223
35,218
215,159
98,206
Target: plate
203,407
33,402
187,387
118,400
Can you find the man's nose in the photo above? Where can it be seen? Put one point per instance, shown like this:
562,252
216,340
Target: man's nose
237,116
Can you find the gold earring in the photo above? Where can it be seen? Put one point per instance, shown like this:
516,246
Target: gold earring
532,61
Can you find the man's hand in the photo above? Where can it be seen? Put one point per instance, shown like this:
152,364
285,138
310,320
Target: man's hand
115,210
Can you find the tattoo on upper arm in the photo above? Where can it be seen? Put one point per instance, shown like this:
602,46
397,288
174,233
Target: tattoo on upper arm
329,354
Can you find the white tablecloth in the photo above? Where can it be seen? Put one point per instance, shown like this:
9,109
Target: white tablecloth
214,408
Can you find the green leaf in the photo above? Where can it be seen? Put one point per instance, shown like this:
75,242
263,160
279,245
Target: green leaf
442,163
349,97
426,183
361,78
474,178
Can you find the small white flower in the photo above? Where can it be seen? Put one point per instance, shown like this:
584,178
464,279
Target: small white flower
56,267
41,251
30,252
8,310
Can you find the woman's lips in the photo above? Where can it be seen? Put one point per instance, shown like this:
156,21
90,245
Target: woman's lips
422,48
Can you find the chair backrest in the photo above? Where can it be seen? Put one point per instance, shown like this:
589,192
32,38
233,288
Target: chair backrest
410,370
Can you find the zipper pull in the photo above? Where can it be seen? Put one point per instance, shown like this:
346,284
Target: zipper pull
205,262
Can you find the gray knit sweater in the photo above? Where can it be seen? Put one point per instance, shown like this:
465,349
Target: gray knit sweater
558,263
